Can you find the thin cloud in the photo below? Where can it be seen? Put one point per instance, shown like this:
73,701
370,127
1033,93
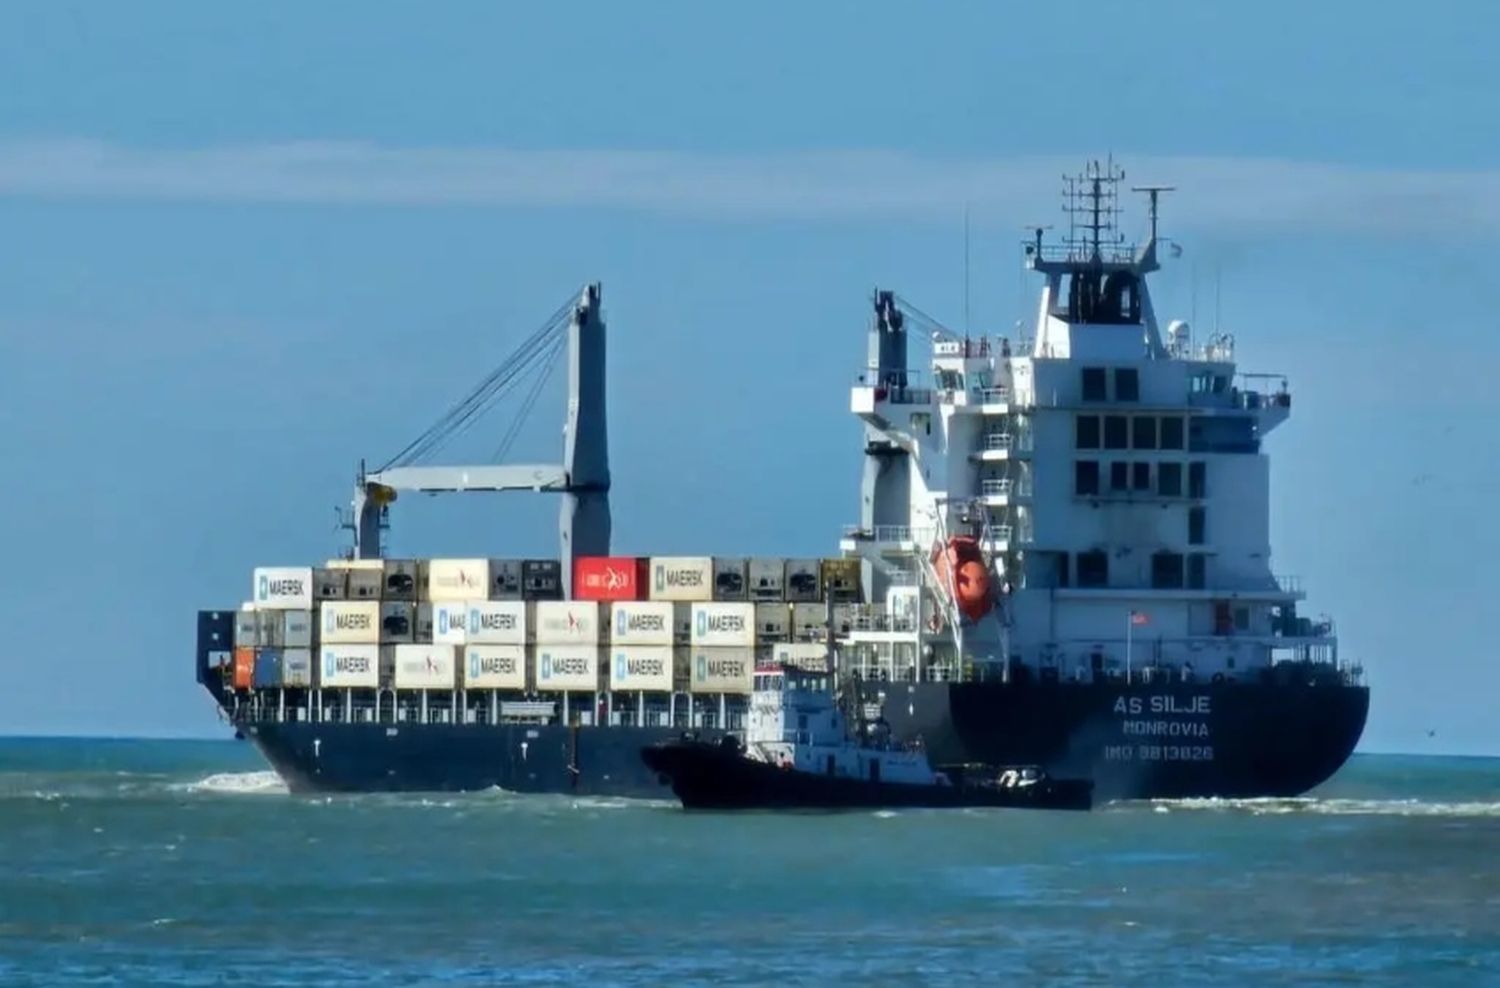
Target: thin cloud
1229,195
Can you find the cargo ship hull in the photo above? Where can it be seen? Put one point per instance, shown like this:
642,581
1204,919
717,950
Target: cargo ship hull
1142,741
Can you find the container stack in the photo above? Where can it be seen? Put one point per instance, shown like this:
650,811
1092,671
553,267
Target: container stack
653,626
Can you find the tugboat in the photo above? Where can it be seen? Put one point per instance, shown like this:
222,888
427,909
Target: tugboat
797,754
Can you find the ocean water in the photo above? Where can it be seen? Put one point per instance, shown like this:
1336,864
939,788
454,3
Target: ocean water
185,863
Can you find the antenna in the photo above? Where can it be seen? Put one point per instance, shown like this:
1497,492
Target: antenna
1153,191
1091,201
966,270
1218,276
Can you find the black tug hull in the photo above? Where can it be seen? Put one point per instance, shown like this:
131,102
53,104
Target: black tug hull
707,776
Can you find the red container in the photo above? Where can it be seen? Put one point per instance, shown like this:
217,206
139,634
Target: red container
607,578
244,668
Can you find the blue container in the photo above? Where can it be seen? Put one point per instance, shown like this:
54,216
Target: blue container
267,669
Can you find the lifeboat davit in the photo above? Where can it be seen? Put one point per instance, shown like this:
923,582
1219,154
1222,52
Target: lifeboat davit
969,581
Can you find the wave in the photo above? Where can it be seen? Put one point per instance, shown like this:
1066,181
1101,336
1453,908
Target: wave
237,783
1280,806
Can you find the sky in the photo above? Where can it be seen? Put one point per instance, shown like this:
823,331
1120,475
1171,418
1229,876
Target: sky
243,247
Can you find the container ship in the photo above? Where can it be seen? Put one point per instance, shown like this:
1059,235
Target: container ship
1062,560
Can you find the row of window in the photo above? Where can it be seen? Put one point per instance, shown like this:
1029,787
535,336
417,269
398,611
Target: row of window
1127,382
1130,432
1161,479
1169,570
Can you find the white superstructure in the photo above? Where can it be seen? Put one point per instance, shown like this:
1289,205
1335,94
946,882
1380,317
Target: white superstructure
1110,473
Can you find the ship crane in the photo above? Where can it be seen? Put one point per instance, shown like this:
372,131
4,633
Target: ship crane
583,476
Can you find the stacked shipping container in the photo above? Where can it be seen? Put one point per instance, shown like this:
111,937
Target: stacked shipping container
662,624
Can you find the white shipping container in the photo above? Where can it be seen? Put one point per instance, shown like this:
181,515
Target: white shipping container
494,667
246,627
722,670
424,667
296,667
458,579
812,656
350,622
682,578
283,588
450,622
567,668
355,564
723,623
641,668
641,622
296,629
566,622
496,622
352,666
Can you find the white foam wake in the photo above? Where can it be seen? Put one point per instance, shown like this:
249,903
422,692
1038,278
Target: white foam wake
238,783
1273,806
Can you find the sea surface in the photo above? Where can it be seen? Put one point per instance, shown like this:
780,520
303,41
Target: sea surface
186,863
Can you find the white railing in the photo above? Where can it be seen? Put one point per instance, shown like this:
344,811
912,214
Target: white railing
889,533
1004,488
1288,584
999,441
993,396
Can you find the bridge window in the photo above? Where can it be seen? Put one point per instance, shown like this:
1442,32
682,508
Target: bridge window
1119,476
1116,432
1198,479
1171,432
1093,569
1169,480
1166,571
1197,571
1197,522
1087,432
1127,384
1086,478
1141,476
1093,384
1143,432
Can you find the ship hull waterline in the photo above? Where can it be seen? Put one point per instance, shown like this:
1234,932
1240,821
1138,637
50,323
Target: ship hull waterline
1143,741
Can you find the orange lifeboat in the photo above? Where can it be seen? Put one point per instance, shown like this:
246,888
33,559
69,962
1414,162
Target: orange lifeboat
960,566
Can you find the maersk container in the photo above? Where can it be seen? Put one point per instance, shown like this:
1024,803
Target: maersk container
296,629
809,621
283,588
399,579
458,579
398,621
349,622
812,656
767,578
450,622
365,584
296,668
729,578
684,578
330,583
639,622
347,666
494,667
841,580
722,670
496,622
425,667
640,668
246,628
565,622
505,579
267,669
803,580
567,668
541,579
723,623
773,621
422,630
